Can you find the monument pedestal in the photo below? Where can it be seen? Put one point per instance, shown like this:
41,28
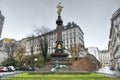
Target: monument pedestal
59,57
61,62
62,58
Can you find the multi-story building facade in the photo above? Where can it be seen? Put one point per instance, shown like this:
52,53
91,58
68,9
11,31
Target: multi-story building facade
72,37
94,51
114,43
104,58
1,22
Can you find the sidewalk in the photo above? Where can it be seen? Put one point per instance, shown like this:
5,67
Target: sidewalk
117,74
114,74
108,72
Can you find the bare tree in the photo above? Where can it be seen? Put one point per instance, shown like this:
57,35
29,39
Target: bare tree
41,30
44,48
20,54
39,36
31,38
42,41
10,49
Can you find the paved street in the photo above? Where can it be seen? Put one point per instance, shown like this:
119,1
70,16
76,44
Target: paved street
108,72
9,74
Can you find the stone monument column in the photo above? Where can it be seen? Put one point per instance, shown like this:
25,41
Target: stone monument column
59,22
59,49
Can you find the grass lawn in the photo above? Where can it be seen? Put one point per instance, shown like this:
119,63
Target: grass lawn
91,76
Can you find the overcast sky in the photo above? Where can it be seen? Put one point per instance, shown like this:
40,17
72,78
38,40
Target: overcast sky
93,16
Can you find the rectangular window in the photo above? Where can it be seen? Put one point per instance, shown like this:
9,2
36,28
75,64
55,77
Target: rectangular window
67,35
70,40
75,45
70,34
70,46
67,41
74,39
74,33
63,42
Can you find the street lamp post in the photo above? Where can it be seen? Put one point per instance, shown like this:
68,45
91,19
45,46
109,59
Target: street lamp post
35,59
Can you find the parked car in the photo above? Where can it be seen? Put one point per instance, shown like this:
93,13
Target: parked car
1,69
118,68
112,68
11,68
32,68
35,68
17,68
5,69
24,68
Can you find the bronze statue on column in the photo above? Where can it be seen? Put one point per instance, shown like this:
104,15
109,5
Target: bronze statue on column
59,7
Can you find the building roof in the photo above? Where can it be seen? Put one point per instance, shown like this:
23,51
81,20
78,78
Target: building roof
72,25
1,16
66,27
104,51
115,14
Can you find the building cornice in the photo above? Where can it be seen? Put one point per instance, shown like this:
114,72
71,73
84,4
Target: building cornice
1,16
63,29
115,14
